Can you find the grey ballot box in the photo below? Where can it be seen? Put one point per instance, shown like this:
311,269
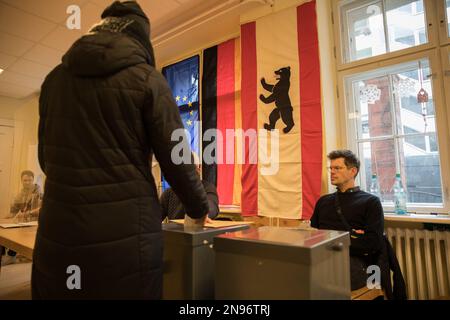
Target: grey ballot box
282,263
189,261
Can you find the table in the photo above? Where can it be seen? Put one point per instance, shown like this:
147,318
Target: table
366,294
20,240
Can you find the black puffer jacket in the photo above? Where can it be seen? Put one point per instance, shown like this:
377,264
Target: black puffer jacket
103,112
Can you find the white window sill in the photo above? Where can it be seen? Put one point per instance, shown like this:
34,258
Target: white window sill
419,218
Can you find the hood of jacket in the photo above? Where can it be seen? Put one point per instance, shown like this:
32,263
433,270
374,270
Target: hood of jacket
104,53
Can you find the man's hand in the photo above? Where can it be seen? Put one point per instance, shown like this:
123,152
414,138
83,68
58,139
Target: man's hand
356,233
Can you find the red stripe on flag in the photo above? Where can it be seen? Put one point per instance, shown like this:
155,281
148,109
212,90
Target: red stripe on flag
310,106
226,118
249,198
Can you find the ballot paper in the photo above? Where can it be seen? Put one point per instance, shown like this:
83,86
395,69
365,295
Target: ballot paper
189,222
18,225
216,223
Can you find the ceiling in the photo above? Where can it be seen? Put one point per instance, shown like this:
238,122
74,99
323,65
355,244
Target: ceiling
34,36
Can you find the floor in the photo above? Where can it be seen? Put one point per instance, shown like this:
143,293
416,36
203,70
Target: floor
15,281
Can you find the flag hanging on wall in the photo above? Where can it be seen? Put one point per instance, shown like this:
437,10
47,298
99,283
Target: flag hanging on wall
183,78
281,90
221,112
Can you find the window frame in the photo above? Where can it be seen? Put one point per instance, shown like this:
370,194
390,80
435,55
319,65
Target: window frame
431,20
445,58
442,119
444,34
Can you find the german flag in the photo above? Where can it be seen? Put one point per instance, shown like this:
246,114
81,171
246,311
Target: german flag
221,112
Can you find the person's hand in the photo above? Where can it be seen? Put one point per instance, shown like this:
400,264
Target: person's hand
191,222
355,234
208,220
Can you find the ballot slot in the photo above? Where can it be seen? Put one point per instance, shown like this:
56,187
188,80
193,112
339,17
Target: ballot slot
282,263
189,261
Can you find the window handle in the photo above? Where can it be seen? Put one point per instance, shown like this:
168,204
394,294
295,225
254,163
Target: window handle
447,73
431,75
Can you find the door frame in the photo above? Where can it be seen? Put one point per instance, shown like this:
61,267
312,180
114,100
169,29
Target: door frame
18,126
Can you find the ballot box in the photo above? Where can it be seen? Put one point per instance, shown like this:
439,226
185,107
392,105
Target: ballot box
189,260
282,263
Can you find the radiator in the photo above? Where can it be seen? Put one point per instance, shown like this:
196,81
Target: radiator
424,258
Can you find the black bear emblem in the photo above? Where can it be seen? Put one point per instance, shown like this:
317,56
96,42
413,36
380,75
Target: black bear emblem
280,95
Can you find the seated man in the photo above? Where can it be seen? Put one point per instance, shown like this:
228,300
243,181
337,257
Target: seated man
25,206
351,209
172,206
27,202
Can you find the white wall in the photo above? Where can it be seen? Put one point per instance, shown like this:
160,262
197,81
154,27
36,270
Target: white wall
24,114
8,107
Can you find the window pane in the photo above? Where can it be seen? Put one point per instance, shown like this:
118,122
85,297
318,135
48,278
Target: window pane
396,131
365,22
406,28
373,107
379,158
422,36
421,172
418,7
366,31
417,141
415,116
433,143
448,17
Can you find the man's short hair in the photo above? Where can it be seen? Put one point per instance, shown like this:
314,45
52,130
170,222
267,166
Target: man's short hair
27,173
350,159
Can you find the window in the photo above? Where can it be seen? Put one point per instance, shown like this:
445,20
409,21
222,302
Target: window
365,31
394,106
372,28
447,4
394,132
443,12
445,54
418,7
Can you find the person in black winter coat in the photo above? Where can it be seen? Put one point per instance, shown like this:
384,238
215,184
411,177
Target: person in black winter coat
103,112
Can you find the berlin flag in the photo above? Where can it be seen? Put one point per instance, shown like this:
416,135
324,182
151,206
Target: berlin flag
280,89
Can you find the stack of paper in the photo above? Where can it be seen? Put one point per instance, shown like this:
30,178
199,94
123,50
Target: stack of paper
218,223
18,225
